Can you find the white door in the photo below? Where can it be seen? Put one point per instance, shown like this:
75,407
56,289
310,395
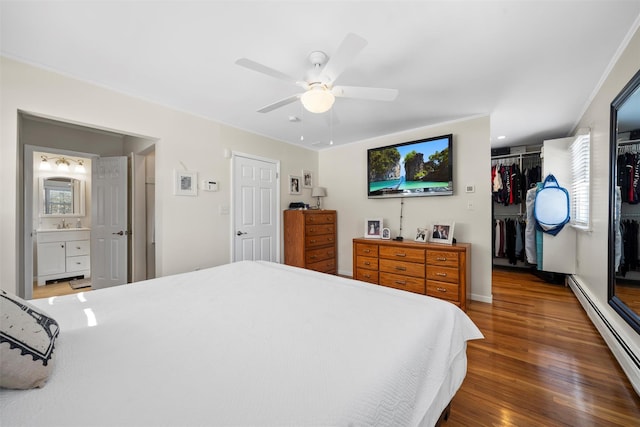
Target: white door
138,235
559,251
109,232
256,201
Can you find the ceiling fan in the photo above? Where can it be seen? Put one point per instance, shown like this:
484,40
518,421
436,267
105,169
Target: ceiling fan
319,90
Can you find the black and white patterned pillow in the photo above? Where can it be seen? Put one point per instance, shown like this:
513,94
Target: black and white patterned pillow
27,338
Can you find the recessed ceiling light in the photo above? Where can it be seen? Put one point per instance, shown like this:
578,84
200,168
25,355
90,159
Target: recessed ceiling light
502,137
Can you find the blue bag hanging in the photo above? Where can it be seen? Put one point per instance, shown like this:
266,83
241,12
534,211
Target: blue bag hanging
551,206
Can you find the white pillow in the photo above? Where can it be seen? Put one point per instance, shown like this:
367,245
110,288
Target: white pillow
27,338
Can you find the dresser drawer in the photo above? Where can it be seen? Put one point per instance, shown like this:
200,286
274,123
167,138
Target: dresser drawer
400,253
315,230
77,263
326,266
321,254
79,247
406,283
368,263
443,274
402,267
320,218
367,275
367,250
443,258
448,291
321,240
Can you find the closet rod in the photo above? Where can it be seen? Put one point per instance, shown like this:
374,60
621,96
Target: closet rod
629,215
516,155
631,141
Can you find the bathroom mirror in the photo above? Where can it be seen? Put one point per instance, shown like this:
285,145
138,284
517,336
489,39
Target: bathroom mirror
624,208
61,196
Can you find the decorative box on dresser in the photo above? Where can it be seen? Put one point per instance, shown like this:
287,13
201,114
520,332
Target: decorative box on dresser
310,239
433,269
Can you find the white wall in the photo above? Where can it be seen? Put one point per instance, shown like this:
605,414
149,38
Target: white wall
343,172
592,246
190,233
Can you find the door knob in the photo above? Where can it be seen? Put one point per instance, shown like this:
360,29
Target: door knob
240,233
119,233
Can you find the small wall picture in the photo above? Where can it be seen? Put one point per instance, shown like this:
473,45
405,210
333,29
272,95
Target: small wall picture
421,234
373,228
441,232
386,234
185,183
307,179
295,184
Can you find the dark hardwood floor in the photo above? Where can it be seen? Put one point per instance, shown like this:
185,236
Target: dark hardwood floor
542,362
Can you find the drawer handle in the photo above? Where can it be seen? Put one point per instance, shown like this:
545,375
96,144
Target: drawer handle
441,259
441,289
330,239
401,282
441,274
366,251
399,267
78,263
401,254
368,276
312,241
311,230
367,263
313,257
78,247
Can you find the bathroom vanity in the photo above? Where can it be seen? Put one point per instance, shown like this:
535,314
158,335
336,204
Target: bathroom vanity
63,253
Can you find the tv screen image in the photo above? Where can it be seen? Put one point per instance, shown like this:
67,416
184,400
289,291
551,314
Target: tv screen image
410,169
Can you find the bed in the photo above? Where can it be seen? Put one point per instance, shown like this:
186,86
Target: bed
247,344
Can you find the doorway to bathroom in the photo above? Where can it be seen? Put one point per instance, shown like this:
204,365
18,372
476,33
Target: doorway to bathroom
47,140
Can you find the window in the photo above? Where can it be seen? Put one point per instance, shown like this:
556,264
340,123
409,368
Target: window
580,171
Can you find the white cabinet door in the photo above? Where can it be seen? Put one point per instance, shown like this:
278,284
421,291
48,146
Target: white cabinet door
51,258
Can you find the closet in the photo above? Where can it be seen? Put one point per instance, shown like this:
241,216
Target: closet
512,175
628,180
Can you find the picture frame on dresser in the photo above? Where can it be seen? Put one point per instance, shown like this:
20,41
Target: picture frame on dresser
386,234
421,234
441,232
373,228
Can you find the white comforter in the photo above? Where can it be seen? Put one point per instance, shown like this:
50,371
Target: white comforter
248,344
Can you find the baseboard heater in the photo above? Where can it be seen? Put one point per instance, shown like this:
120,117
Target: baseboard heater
623,344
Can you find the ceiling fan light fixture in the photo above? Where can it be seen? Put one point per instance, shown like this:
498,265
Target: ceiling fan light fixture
318,99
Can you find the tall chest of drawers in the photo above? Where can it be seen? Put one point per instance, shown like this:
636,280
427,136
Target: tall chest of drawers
310,239
437,270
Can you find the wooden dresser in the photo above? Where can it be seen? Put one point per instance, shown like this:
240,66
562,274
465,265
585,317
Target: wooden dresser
310,239
437,270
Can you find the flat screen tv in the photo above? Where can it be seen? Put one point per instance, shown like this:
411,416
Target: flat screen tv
411,169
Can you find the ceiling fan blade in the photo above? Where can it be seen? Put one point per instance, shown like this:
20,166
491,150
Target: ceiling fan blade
346,52
255,66
373,93
279,104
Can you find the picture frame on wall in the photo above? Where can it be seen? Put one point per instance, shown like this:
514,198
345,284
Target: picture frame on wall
295,184
185,183
441,232
307,179
373,228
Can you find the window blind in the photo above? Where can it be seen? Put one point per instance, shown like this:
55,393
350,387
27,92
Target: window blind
580,151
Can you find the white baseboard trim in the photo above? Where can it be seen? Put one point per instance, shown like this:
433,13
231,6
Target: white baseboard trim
482,298
621,346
